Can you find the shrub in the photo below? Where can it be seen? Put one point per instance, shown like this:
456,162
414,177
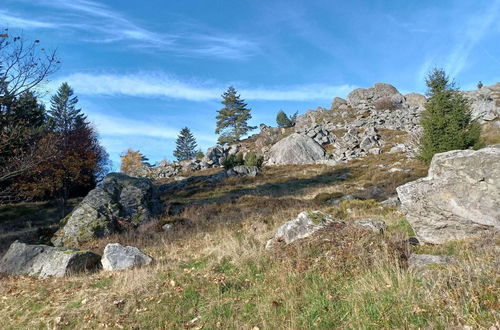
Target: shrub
447,122
232,161
479,85
253,159
199,154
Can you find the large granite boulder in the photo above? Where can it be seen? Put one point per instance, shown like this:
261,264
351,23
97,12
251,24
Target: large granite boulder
118,202
459,197
44,261
296,149
118,257
303,226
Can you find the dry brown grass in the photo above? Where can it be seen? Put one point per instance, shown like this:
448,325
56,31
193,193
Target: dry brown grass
212,271
490,133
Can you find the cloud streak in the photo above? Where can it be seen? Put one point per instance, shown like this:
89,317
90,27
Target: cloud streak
477,27
161,85
13,21
106,25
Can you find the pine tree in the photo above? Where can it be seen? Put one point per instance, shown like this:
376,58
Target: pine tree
186,145
447,122
232,120
282,119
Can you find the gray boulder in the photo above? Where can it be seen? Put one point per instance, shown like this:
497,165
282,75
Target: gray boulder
303,226
243,170
415,100
44,261
118,257
458,199
339,103
421,261
118,202
296,149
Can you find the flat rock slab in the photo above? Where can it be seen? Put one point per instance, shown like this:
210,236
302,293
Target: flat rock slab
118,257
44,261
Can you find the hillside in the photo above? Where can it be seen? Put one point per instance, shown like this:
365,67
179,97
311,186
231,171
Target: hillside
211,266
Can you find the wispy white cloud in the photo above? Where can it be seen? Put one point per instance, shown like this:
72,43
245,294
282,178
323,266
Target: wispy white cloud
161,85
103,24
9,20
476,28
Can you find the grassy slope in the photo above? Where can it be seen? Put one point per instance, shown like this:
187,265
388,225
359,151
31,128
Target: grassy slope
213,271
30,222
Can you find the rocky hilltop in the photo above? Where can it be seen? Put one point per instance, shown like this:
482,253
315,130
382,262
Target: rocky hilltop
371,120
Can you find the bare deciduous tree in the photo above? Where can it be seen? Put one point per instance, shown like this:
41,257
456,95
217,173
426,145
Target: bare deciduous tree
23,64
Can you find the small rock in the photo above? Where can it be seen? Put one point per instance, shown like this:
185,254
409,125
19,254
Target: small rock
303,226
167,227
117,257
391,202
376,226
413,241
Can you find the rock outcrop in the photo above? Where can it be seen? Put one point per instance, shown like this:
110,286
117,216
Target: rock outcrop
118,202
296,149
485,102
119,257
459,197
367,98
216,155
44,261
243,170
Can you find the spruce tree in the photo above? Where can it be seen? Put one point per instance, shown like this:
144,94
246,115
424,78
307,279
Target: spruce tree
447,122
232,120
186,145
63,112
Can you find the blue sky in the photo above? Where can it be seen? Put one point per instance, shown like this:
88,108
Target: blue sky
145,69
